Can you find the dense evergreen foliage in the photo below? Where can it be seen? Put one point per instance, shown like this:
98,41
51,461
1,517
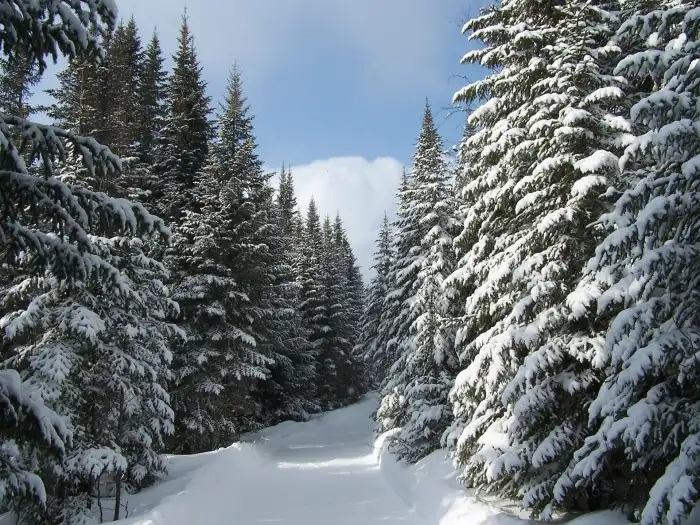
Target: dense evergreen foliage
534,306
562,271
124,338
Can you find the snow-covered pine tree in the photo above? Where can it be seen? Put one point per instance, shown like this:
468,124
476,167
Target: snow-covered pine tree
646,275
31,203
416,396
329,341
125,71
100,358
386,348
287,203
137,109
207,366
540,156
35,201
27,428
291,222
314,299
101,99
42,28
152,98
355,284
254,252
182,143
369,346
361,381
76,107
223,267
18,76
394,324
289,391
345,295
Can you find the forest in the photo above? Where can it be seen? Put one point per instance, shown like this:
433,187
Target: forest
533,311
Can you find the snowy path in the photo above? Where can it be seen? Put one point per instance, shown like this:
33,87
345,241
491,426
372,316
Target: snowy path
320,472
327,471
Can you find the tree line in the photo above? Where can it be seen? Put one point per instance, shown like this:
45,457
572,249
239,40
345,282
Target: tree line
535,308
158,293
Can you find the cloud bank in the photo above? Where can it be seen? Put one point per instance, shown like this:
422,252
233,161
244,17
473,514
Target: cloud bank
360,190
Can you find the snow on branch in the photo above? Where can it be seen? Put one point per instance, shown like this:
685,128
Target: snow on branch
51,220
53,27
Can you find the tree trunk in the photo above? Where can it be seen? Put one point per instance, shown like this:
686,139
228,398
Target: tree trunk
118,488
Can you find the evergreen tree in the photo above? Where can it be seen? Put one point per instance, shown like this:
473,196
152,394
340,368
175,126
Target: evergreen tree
416,396
125,72
541,154
38,34
646,275
223,268
18,75
265,354
101,361
27,428
183,140
48,226
219,356
359,380
344,292
101,99
329,341
289,391
254,238
76,106
369,346
153,96
398,290
287,202
291,223
314,301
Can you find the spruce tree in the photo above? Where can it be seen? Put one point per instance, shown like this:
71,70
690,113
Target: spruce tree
152,99
125,71
39,33
213,365
49,227
18,76
101,361
397,292
645,275
344,292
183,141
537,163
27,428
329,340
369,346
261,341
416,396
291,223
359,380
221,270
253,252
314,301
289,391
76,105
287,203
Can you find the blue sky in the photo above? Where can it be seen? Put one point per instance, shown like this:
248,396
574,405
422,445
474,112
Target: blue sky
337,87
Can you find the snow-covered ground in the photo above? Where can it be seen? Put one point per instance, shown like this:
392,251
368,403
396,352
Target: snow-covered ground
327,471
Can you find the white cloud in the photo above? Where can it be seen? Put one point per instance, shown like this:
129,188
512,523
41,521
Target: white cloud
360,190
